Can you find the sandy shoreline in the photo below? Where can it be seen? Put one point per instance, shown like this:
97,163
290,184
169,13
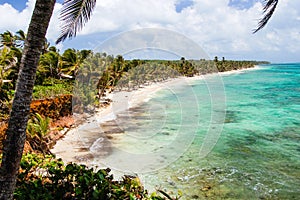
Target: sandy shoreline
92,138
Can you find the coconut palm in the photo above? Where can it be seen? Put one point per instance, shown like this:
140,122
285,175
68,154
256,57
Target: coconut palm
13,44
8,39
9,67
7,62
71,61
116,69
75,13
16,132
49,64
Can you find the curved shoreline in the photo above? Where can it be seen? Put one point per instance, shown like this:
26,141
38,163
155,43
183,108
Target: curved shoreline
93,137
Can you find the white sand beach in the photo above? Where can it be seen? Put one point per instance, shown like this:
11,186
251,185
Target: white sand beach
89,139
77,144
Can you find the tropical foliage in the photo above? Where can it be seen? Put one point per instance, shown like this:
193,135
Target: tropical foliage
123,74
15,138
89,77
93,74
74,14
37,129
10,55
47,178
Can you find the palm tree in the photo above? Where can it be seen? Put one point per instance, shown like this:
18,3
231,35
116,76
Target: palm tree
13,44
7,62
16,132
71,61
75,13
8,39
49,64
116,69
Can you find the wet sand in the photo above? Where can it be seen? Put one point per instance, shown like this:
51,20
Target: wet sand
93,138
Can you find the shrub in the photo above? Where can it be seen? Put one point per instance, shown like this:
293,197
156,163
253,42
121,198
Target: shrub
42,92
48,178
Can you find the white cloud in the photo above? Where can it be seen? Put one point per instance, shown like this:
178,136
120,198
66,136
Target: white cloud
220,29
13,20
127,14
54,26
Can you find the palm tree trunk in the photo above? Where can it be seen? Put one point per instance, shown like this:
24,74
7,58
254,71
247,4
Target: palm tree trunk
16,132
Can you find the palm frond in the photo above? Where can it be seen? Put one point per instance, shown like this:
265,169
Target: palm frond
268,10
74,15
20,38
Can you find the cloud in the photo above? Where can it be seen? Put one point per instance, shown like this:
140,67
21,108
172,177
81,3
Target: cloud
129,14
221,27
13,20
54,26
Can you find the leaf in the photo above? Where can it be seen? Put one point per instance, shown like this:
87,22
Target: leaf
74,15
268,10
165,194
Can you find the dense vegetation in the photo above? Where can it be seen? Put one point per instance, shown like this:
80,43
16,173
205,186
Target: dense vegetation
44,177
87,76
57,71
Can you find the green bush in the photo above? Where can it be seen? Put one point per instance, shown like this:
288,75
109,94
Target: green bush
52,87
48,178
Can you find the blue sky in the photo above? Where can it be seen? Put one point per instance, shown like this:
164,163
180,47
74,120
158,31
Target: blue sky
243,4
220,27
181,5
19,4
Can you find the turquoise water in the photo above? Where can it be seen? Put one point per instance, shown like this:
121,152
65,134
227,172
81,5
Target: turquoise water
251,120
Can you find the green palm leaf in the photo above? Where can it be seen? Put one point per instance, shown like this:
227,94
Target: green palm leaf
268,10
74,14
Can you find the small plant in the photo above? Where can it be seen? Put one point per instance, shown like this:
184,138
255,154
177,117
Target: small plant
38,126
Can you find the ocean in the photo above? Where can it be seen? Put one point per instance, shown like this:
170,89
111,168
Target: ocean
227,136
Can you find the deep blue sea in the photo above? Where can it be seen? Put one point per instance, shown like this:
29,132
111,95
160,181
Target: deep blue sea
228,136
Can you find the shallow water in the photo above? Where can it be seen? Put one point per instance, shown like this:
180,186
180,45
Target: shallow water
248,123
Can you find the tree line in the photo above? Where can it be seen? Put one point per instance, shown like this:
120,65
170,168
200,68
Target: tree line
74,15
94,74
